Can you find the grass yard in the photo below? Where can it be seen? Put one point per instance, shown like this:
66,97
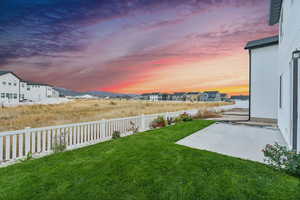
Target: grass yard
148,166
13,118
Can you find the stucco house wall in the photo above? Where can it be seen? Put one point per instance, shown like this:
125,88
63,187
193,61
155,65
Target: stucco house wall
9,88
289,41
264,83
36,92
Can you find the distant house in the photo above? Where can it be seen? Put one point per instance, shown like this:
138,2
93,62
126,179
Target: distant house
9,87
213,95
154,97
14,90
240,97
164,97
224,96
178,96
38,91
203,97
192,96
274,72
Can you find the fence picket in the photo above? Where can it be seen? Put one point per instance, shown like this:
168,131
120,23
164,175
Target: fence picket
7,147
21,145
38,143
1,149
27,141
14,147
33,142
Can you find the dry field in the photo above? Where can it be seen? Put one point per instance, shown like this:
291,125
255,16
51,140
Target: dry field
13,118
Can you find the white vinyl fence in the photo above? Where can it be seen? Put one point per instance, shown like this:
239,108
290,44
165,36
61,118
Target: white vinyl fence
39,141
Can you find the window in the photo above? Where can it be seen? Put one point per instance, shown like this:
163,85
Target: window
280,91
28,88
15,96
2,95
9,83
7,95
4,83
15,84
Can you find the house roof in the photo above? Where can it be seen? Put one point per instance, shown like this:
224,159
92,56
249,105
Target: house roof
9,72
262,42
4,72
35,83
193,93
275,9
211,92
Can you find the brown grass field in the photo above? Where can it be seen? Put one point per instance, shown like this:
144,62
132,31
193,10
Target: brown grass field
14,118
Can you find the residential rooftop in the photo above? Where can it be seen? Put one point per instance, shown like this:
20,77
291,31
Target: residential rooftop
275,9
28,82
269,41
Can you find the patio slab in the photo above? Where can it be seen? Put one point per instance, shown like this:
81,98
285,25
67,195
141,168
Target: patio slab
235,140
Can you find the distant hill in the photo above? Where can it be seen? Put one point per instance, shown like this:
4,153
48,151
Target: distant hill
110,94
67,92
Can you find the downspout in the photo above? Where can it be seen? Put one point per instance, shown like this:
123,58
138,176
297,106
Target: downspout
249,117
295,101
19,91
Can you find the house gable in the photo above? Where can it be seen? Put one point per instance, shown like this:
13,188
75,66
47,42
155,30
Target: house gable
275,9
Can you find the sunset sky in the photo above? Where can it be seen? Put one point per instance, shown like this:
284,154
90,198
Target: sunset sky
132,46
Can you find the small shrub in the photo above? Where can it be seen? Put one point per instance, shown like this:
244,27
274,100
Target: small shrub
28,156
280,157
133,127
59,143
159,122
204,114
178,119
113,103
170,120
186,117
116,135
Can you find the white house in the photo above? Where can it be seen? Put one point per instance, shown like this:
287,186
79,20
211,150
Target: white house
285,74
263,79
9,87
154,97
14,90
38,91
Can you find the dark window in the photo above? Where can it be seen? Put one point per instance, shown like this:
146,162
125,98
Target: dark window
4,83
3,95
9,83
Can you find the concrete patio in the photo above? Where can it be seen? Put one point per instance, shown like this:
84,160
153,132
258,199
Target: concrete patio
235,140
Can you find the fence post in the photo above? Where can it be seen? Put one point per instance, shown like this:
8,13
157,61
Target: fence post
143,121
102,128
27,141
1,148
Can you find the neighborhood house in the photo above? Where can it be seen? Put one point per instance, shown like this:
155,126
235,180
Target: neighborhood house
14,90
274,72
186,96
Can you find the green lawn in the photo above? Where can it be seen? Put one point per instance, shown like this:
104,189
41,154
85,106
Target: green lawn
147,165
